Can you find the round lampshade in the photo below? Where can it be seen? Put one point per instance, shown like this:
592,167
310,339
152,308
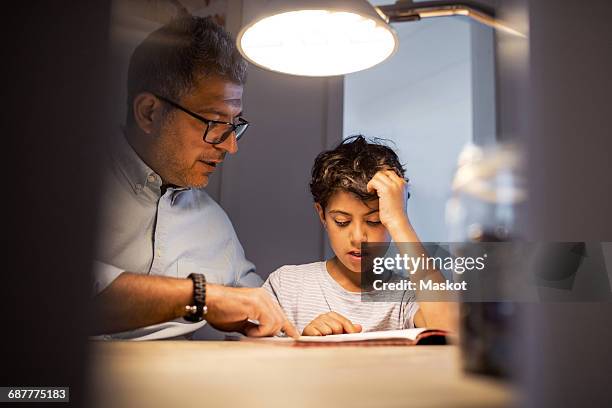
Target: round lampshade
315,38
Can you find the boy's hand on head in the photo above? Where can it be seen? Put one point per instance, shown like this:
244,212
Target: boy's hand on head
392,196
330,323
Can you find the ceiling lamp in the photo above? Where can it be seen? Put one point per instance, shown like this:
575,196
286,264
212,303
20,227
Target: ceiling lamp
317,38
337,37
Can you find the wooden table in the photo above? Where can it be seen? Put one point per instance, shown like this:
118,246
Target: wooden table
242,374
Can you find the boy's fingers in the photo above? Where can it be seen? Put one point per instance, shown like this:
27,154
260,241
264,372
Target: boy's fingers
381,183
375,185
348,326
334,324
395,178
311,331
376,182
324,329
331,323
370,187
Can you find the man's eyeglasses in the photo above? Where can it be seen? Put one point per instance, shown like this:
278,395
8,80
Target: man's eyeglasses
215,131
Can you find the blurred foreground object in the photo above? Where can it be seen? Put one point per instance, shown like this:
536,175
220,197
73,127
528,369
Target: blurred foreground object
487,190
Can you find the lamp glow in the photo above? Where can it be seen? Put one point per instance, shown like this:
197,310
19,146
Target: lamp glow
317,42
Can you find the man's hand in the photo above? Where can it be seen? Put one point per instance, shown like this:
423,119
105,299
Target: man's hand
330,323
229,309
391,191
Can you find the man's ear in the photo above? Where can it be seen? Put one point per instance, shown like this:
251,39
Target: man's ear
321,213
147,111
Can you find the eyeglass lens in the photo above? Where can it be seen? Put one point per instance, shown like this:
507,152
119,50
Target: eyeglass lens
218,132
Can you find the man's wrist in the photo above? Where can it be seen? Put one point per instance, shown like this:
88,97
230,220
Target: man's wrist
213,295
186,290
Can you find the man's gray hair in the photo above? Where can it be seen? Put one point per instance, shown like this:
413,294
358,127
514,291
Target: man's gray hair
170,60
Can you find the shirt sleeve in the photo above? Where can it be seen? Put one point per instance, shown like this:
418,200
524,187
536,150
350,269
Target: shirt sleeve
104,275
272,286
249,278
283,290
246,277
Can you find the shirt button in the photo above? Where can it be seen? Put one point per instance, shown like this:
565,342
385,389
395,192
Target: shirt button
138,186
159,253
151,178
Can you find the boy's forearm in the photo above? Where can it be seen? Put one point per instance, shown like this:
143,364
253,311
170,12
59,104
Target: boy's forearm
401,231
408,243
439,314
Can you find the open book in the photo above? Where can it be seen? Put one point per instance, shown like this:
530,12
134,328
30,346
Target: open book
406,337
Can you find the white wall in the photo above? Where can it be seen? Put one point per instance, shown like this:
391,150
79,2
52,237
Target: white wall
423,100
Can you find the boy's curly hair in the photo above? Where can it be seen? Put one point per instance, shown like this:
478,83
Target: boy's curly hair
350,166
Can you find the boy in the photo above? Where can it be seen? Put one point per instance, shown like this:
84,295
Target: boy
360,196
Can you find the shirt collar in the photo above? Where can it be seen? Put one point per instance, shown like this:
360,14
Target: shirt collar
139,175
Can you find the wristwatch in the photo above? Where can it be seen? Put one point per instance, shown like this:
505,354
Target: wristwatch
197,311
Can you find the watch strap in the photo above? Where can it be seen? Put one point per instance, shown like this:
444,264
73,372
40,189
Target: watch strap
197,311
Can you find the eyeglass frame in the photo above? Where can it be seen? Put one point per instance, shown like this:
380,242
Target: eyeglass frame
207,122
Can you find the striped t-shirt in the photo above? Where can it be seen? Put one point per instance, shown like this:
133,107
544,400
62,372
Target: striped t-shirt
307,291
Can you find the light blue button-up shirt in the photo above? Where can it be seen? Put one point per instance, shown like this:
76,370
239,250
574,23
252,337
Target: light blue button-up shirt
174,234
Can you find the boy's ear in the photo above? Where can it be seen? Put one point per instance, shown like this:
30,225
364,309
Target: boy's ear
321,213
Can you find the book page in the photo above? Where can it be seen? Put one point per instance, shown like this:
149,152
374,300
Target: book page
405,334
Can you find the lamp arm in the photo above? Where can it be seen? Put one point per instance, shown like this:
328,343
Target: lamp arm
407,10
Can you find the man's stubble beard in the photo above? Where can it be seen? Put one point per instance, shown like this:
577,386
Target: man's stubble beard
203,184
177,172
186,176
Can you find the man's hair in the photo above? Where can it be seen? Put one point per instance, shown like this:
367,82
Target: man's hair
350,166
170,60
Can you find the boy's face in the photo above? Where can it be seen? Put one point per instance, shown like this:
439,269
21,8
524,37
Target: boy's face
349,223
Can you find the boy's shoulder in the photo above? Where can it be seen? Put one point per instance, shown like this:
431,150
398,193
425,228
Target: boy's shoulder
287,270
292,273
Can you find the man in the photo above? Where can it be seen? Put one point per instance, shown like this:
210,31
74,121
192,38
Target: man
167,250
